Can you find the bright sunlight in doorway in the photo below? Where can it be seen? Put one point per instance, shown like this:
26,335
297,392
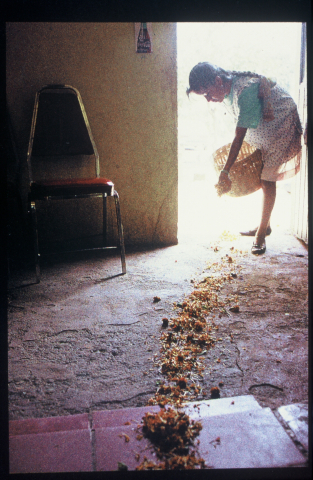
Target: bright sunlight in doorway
271,49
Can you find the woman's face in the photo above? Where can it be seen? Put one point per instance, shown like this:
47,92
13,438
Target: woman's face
215,92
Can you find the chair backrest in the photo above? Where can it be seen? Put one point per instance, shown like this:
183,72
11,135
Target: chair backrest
61,143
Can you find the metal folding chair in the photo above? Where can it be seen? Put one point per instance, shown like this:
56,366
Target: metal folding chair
60,132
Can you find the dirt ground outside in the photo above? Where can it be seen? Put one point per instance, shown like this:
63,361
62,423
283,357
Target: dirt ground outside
83,340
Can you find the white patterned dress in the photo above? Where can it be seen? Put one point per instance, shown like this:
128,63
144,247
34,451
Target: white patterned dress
280,139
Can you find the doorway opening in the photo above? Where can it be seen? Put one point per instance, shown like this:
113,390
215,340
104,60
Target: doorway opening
271,49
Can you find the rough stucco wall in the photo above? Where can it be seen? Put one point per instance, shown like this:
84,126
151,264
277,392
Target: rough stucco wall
130,100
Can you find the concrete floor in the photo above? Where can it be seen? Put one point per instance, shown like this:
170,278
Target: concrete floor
84,339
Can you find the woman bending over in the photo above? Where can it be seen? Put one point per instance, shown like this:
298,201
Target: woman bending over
266,117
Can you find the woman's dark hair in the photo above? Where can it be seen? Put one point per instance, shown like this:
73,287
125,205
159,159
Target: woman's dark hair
204,74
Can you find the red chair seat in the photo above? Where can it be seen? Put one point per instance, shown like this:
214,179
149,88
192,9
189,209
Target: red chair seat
76,186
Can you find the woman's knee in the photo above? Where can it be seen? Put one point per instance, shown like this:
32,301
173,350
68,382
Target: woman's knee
268,186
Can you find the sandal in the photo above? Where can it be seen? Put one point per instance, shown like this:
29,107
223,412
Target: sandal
258,249
251,233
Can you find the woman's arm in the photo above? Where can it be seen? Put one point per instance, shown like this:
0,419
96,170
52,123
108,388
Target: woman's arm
235,147
224,182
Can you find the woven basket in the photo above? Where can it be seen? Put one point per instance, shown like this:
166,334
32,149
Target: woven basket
245,174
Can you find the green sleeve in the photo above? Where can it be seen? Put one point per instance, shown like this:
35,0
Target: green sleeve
250,107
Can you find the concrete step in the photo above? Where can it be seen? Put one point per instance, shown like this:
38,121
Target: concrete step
250,437
296,416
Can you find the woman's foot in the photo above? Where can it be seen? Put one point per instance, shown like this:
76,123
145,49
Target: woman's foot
251,233
258,248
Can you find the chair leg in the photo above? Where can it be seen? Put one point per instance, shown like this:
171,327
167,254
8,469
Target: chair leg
104,220
120,230
33,214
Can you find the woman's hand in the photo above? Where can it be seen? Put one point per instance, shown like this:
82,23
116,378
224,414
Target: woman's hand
224,184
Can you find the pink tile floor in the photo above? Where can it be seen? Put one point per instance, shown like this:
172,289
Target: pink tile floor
97,441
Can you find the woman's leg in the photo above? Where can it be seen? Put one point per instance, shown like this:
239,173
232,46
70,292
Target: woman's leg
269,196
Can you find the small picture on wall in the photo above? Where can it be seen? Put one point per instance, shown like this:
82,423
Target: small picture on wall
143,37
